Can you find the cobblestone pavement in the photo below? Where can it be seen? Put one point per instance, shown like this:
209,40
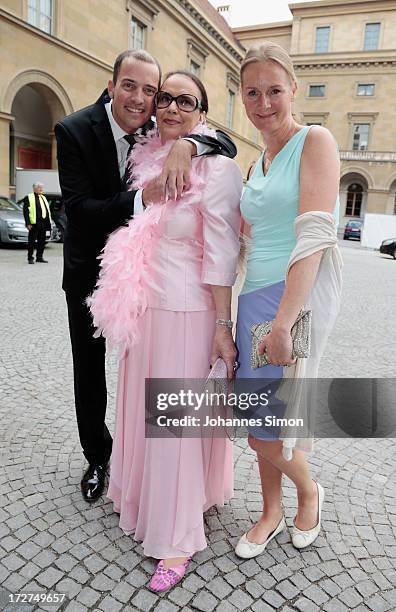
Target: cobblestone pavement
51,540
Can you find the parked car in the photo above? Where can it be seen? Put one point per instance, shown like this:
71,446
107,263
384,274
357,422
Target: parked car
12,224
388,247
352,229
58,214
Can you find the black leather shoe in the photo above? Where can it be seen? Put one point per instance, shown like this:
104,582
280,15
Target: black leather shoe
93,482
41,260
31,260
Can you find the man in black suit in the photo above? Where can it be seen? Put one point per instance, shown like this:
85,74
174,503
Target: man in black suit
93,145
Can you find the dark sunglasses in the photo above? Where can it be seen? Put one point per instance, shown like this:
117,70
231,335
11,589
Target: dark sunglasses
184,102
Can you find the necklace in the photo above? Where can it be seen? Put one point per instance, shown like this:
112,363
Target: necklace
267,162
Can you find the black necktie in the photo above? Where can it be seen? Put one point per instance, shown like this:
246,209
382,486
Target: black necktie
130,138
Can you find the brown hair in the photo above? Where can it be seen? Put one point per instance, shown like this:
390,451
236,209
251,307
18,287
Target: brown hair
138,54
197,82
267,50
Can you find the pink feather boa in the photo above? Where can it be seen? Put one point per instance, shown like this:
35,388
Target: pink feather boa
120,297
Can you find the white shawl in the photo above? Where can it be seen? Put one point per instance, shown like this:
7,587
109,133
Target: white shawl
315,231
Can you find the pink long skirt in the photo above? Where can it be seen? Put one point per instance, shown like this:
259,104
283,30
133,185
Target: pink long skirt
161,486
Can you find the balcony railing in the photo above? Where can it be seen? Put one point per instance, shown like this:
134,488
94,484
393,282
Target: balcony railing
374,156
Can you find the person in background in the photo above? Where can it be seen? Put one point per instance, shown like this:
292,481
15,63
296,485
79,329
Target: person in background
38,221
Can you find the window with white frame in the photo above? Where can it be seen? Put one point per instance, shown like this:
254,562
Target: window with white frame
361,132
371,36
317,91
40,14
365,89
322,39
230,108
138,34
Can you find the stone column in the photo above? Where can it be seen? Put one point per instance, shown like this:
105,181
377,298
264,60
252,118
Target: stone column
5,120
295,37
54,160
343,200
391,202
377,201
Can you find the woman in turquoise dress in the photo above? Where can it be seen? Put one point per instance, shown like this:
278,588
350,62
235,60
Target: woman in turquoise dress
290,205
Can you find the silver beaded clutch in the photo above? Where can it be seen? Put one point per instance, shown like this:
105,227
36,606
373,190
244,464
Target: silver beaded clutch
300,333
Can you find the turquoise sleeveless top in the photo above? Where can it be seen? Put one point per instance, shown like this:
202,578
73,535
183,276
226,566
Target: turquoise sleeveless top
270,205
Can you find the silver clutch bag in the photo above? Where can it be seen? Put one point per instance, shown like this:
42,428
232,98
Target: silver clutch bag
217,379
300,333
217,383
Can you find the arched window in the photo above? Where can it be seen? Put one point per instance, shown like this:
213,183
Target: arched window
354,200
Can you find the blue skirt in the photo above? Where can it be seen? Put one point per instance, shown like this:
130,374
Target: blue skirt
256,307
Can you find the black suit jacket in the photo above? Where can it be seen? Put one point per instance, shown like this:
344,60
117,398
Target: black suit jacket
91,188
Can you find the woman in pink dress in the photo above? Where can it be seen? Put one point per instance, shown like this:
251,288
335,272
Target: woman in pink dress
164,297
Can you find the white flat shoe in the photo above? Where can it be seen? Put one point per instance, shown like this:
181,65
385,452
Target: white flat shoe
300,538
248,550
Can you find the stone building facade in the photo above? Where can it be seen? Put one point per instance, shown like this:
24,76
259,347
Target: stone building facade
57,56
344,52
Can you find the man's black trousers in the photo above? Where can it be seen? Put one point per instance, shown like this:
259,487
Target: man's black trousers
36,233
90,390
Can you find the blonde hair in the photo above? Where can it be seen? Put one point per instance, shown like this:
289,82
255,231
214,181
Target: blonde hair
267,50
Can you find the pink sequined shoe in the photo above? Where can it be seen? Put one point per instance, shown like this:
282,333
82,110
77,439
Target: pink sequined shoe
166,578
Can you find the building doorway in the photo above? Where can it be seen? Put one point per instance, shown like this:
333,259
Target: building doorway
33,103
353,197
354,200
30,137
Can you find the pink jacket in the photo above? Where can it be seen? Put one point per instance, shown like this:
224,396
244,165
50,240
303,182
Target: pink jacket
168,256
198,243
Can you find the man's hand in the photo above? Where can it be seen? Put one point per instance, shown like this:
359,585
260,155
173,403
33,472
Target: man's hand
153,193
175,176
29,227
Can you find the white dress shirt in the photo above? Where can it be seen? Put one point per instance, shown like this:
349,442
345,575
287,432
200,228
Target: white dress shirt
122,147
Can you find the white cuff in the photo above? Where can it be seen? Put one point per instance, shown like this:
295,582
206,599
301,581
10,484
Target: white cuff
138,203
202,149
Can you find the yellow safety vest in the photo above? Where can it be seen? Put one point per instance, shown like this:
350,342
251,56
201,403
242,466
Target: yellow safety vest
32,207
